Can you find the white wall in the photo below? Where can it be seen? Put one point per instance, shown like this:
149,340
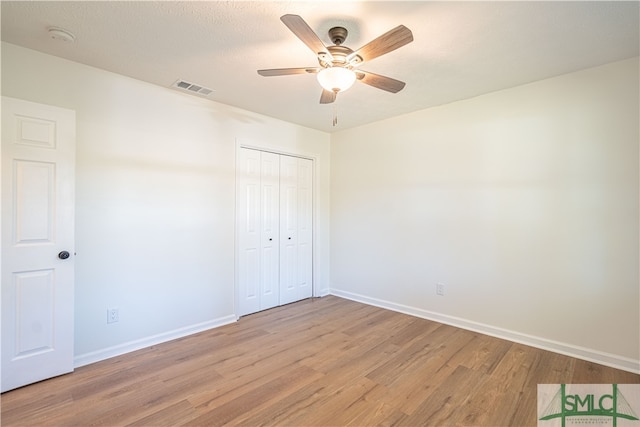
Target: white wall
523,202
155,199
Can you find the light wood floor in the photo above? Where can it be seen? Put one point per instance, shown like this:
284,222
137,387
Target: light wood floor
318,362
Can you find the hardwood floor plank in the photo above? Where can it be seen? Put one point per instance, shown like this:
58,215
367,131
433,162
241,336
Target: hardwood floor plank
586,372
420,379
411,329
361,355
483,353
442,406
172,415
369,409
373,323
307,404
252,400
418,349
332,406
239,383
327,361
38,405
500,390
550,368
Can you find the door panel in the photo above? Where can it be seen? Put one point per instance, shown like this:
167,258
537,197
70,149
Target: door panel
38,156
269,278
35,305
34,186
305,229
288,228
270,213
248,181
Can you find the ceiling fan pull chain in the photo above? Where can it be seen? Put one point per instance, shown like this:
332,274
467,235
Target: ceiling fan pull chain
335,114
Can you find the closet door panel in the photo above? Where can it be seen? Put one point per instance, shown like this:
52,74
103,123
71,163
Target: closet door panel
269,235
288,229
304,268
248,211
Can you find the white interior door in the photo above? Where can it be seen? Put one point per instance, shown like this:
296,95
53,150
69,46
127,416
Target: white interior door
38,157
274,225
248,223
304,271
270,223
258,221
296,231
288,228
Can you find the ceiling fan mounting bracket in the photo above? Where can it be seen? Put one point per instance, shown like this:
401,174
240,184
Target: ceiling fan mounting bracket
338,35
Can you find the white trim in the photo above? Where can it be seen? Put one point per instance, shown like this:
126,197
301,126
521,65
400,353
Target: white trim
117,350
270,148
323,293
607,359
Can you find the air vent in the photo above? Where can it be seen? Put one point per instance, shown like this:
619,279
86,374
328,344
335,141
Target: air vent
191,87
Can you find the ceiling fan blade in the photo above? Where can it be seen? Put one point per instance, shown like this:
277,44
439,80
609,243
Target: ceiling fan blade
301,29
389,41
327,97
287,71
380,82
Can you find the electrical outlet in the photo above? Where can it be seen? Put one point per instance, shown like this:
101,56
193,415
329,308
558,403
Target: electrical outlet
440,289
113,315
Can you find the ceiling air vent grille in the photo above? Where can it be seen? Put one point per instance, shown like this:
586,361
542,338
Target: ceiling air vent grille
191,87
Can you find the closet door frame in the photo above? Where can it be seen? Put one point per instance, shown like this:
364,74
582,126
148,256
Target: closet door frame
266,147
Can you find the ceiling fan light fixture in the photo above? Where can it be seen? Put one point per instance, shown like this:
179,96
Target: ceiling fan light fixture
336,79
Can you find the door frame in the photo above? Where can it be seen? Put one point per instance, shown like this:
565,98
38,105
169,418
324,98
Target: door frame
275,149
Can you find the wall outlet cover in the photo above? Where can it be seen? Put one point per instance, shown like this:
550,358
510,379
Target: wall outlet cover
113,315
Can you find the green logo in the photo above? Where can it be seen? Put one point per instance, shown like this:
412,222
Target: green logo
587,402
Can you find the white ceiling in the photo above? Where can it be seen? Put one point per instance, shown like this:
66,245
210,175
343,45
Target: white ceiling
460,49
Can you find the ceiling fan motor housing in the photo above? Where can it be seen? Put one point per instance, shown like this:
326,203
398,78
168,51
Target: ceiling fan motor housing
338,57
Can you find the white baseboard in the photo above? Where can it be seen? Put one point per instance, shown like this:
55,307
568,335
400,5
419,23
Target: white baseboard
590,355
323,293
117,350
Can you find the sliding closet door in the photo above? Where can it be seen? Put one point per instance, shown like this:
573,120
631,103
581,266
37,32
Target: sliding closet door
295,229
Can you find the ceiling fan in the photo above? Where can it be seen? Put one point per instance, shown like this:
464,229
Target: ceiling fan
339,64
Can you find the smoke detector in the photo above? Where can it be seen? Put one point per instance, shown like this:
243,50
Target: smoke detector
60,34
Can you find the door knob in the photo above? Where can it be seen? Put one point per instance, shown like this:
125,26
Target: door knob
63,255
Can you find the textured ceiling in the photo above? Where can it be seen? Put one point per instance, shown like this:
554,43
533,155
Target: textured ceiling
460,49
